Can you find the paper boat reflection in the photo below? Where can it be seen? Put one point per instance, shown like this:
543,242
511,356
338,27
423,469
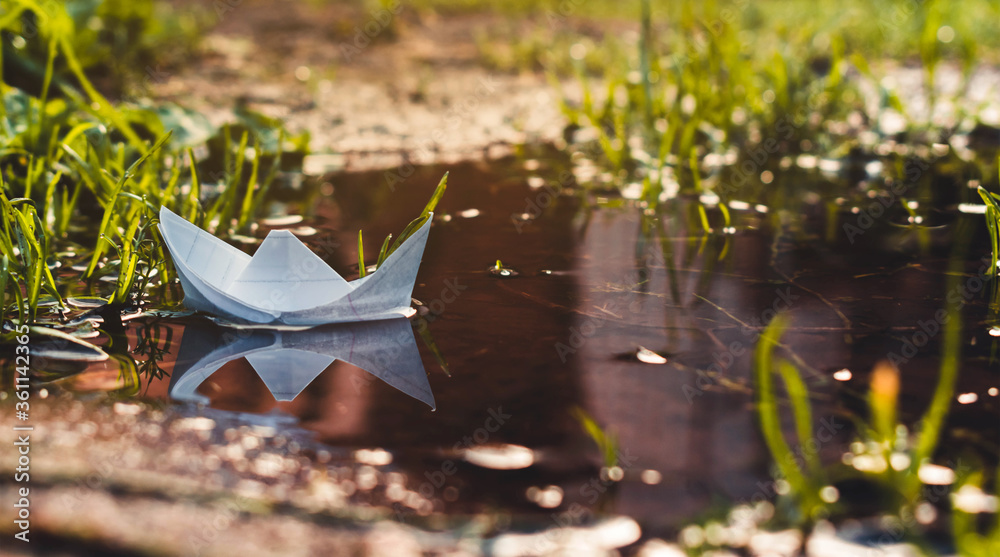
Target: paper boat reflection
287,361
285,282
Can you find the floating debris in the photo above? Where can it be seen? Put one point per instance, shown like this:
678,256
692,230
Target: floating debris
498,270
935,474
198,423
304,231
843,375
548,497
972,500
57,345
709,199
284,220
245,240
632,190
972,208
86,302
614,473
829,494
127,409
500,457
373,457
599,538
647,356
967,398
651,477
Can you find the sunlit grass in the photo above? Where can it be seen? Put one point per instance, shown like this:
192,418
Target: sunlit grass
894,453
702,83
89,175
992,202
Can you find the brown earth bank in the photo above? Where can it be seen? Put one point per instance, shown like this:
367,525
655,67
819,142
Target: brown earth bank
375,87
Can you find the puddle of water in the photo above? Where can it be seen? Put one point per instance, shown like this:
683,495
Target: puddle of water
600,294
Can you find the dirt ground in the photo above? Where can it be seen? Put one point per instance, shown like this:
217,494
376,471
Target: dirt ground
374,88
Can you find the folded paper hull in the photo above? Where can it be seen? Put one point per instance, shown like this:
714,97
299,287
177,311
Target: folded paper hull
284,282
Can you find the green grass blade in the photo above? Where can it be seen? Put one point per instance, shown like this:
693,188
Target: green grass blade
770,415
382,252
992,223
798,393
44,250
416,223
109,210
246,209
933,419
4,275
194,195
438,193
361,255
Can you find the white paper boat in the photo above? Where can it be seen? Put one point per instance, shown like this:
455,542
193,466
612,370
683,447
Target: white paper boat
287,361
285,282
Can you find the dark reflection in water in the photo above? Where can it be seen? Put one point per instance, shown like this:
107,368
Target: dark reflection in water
287,361
595,285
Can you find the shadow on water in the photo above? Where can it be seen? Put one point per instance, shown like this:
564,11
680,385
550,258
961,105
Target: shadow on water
643,322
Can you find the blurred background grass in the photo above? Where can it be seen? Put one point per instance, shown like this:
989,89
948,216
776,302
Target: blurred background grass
666,96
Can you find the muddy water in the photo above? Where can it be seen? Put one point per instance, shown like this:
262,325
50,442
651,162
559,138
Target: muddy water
525,353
